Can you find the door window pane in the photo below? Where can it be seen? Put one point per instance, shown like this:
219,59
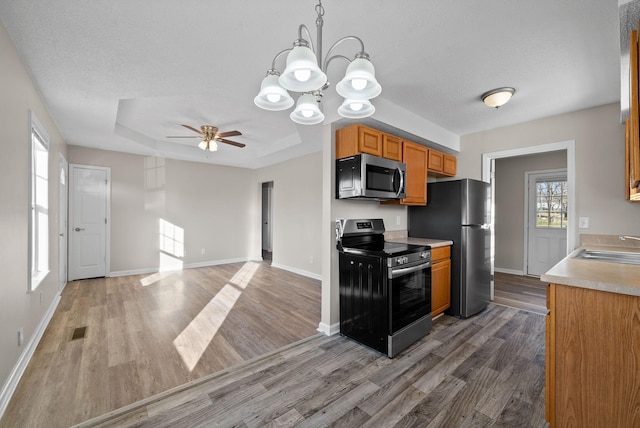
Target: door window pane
551,204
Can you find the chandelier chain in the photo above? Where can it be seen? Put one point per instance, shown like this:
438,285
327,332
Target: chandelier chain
319,8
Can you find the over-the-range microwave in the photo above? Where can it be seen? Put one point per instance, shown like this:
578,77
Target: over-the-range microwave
366,176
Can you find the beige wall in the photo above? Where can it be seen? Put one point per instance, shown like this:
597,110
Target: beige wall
509,205
297,213
19,308
599,152
212,204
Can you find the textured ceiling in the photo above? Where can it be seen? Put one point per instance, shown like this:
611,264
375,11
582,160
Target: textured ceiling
123,74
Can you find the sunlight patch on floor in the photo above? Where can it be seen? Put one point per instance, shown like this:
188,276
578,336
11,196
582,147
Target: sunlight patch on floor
193,341
153,278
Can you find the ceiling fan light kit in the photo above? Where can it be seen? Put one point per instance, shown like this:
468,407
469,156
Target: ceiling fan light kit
306,72
496,98
211,137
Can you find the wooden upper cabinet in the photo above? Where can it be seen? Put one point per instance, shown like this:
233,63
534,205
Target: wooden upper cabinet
441,163
391,147
632,125
415,157
355,139
449,165
436,161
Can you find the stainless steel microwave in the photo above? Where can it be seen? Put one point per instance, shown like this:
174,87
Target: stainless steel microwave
366,176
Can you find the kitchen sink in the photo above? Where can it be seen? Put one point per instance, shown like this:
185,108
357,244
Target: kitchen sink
609,256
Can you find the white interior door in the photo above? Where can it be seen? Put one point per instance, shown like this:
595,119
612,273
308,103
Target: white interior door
62,221
546,241
88,221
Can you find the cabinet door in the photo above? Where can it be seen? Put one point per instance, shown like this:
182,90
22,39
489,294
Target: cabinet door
440,287
391,147
415,157
354,139
449,165
436,161
369,141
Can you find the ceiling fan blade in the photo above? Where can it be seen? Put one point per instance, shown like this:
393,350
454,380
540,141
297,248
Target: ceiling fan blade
229,134
193,129
233,143
183,136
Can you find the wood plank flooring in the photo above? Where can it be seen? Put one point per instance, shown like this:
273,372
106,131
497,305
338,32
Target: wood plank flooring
484,371
137,327
149,333
519,291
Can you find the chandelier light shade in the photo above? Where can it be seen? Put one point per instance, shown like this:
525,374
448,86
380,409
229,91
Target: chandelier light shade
306,73
356,109
272,96
302,73
307,111
359,82
496,98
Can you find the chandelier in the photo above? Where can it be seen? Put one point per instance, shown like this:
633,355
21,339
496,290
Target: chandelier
305,72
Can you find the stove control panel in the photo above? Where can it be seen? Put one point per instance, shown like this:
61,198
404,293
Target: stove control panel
402,260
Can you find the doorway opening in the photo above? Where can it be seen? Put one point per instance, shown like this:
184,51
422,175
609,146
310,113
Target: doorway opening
267,221
488,175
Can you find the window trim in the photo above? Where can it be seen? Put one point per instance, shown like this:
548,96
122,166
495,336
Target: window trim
37,131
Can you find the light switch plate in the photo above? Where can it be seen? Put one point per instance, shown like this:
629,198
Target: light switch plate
583,222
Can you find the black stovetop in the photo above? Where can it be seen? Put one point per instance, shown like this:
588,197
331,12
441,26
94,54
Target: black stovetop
379,247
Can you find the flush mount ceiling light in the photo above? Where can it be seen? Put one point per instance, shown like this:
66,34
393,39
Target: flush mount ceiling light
498,97
305,72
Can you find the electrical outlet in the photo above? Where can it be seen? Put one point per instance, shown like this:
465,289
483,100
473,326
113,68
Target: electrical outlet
202,251
398,220
20,337
311,259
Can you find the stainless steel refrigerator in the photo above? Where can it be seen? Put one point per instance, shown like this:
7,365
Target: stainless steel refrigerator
459,210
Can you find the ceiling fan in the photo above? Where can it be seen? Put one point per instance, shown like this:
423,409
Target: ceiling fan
211,137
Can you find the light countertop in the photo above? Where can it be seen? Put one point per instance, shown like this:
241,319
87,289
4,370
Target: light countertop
402,236
433,243
597,275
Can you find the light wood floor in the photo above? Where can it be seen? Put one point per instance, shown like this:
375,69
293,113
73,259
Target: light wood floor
519,291
149,333
485,371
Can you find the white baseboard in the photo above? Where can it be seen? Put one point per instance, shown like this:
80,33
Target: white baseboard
298,271
146,271
329,330
509,271
18,370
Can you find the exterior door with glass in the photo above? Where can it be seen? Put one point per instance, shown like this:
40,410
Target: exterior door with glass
546,237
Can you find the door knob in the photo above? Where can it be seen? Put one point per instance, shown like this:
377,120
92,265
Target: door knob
62,234
78,229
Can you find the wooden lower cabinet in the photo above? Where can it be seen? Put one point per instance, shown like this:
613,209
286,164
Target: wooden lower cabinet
440,280
592,358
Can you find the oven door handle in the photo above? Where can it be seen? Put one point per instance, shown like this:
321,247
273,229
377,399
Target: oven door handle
394,273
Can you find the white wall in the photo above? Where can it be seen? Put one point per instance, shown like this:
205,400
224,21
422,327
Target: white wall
19,308
297,213
599,146
509,204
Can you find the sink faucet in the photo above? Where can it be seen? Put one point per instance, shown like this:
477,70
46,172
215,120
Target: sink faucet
625,237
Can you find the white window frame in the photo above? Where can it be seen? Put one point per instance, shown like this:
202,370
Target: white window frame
39,254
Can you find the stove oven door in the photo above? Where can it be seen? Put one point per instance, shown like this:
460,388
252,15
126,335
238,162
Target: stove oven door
409,294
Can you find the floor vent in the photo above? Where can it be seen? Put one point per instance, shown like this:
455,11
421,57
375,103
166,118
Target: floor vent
79,333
